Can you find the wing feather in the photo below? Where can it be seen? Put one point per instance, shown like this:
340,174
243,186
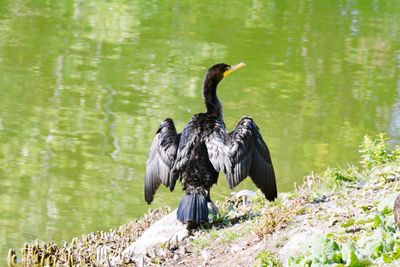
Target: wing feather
218,151
189,138
242,153
161,159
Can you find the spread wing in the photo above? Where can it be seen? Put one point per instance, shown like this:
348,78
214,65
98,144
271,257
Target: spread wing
242,153
161,159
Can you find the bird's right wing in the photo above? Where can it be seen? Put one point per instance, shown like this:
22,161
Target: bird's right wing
161,159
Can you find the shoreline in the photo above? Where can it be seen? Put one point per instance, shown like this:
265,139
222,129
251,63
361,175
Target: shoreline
342,217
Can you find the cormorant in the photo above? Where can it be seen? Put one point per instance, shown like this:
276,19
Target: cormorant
203,149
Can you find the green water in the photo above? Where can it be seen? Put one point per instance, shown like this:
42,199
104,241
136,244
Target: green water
85,84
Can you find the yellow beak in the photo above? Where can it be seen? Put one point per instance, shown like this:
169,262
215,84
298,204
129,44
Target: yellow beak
233,68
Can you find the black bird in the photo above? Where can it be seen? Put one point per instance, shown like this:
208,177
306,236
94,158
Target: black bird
203,149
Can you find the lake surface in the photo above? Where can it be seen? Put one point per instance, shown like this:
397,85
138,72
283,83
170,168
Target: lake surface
84,86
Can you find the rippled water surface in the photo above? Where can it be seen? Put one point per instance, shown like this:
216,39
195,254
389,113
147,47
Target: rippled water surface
85,84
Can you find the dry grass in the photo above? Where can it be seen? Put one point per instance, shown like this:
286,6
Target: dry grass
278,217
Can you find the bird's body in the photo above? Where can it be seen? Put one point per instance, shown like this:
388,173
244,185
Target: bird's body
203,149
192,163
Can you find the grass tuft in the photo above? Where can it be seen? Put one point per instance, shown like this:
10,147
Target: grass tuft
267,258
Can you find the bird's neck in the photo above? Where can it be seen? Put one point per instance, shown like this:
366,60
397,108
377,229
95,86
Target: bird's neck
214,106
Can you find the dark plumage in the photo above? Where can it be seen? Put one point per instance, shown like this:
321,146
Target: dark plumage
203,149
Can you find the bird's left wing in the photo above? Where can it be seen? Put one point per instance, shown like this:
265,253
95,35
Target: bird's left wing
161,159
242,153
250,157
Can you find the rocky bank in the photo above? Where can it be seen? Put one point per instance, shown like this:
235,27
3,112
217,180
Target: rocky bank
342,217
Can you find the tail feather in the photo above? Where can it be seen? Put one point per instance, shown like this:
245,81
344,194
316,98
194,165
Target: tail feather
193,208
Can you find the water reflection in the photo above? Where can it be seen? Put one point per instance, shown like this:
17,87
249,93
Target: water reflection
84,85
394,122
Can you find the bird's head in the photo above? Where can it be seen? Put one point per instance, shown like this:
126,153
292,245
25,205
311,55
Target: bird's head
221,70
214,75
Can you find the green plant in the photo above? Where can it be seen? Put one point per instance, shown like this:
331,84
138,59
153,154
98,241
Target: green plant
377,151
339,175
381,243
201,242
229,236
327,252
267,258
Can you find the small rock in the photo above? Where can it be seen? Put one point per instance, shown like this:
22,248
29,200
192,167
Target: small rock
235,248
319,200
166,230
353,229
333,222
244,193
205,254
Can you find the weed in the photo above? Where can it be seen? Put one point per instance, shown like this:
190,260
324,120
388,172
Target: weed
279,216
267,258
229,236
377,151
380,244
201,242
340,176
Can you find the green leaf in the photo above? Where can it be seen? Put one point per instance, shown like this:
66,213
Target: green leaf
365,208
387,210
348,223
326,251
379,220
387,257
379,249
353,260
